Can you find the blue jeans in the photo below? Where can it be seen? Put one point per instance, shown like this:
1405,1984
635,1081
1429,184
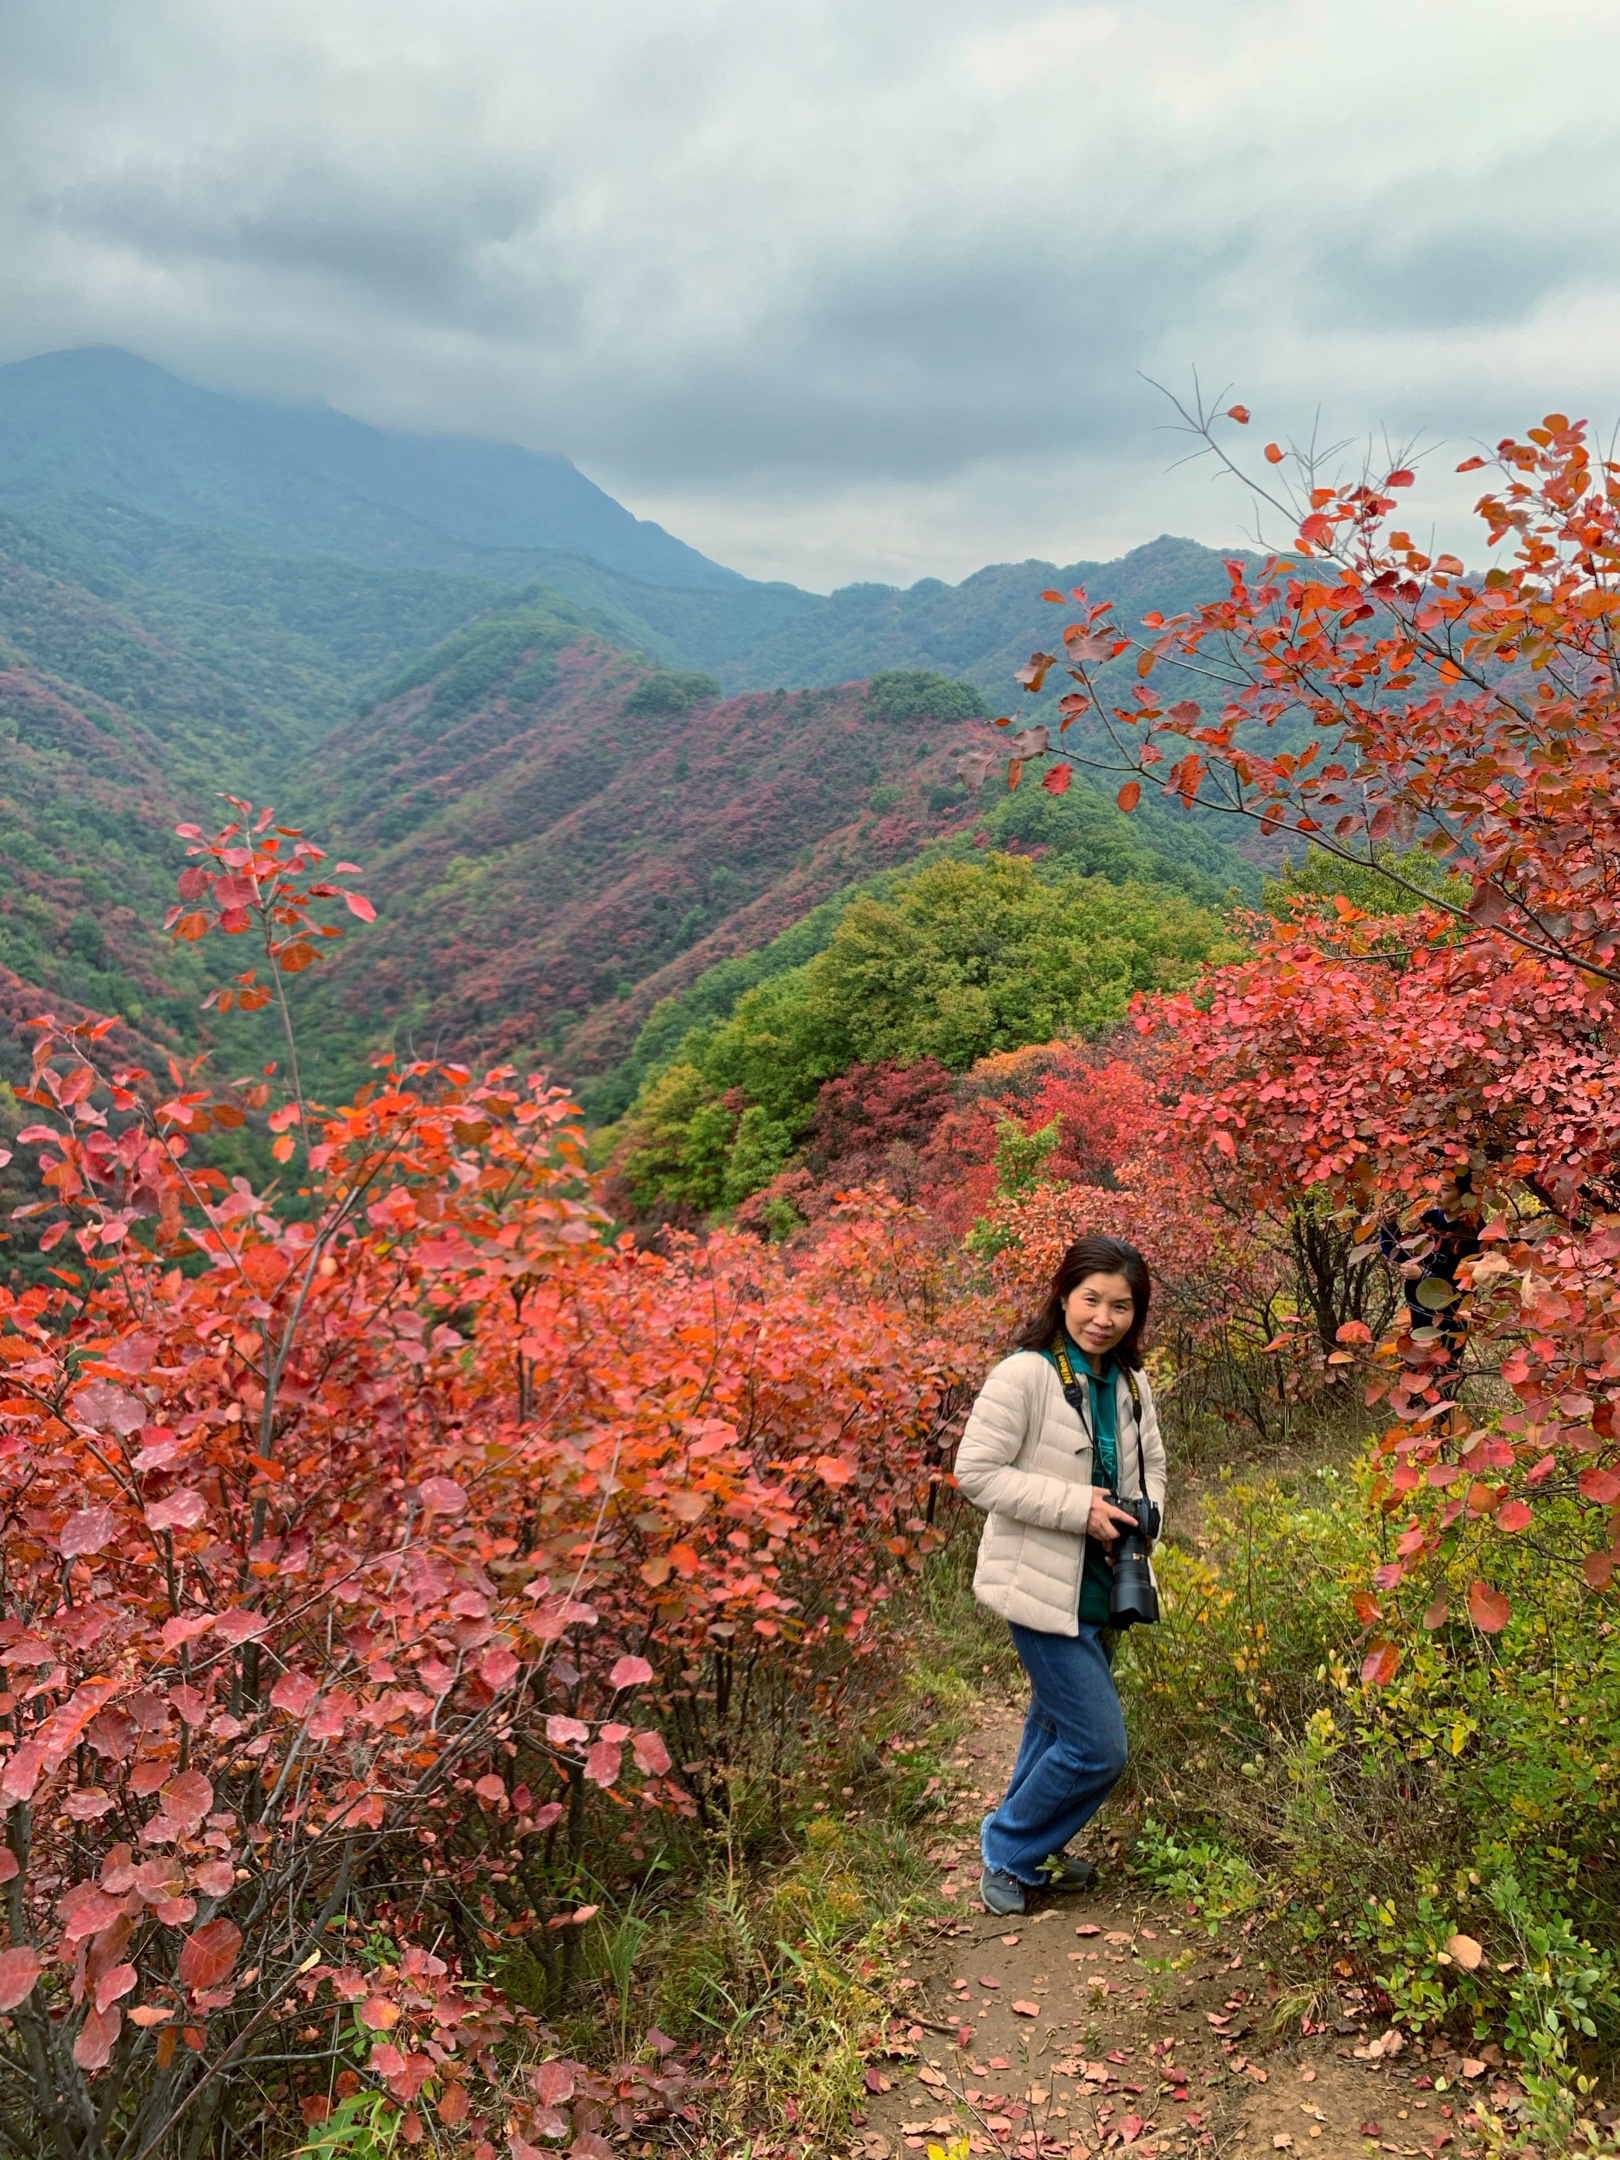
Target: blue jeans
1073,1752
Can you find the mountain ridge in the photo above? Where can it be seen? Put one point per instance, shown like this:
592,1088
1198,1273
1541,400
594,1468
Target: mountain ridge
68,420
308,478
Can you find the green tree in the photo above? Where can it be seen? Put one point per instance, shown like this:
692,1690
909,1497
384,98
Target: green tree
960,960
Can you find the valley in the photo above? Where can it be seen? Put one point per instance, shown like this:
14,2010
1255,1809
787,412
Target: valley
582,783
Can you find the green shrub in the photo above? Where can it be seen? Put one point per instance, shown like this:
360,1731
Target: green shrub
956,961
899,696
670,690
1472,1796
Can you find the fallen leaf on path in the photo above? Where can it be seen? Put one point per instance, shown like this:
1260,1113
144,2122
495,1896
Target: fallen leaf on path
1283,2142
1308,2074
1472,2067
876,2082
1009,1940
1088,1927
1372,2129
929,2077
988,1980
1130,2128
1466,1951
1026,2009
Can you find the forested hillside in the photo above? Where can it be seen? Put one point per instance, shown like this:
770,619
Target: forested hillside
106,444
303,479
561,831
548,825
521,1664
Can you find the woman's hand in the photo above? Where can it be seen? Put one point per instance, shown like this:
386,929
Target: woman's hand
1105,1522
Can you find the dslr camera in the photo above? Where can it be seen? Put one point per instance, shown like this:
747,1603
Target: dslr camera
1132,1598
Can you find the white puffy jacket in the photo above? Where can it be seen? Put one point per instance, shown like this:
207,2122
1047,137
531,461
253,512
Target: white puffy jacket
1025,1459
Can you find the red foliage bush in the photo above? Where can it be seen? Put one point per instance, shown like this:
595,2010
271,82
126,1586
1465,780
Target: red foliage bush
1479,714
374,1546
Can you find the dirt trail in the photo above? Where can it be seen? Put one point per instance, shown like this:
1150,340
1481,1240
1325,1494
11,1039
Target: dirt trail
1106,2021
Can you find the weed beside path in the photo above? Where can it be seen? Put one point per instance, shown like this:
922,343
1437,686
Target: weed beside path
1109,2022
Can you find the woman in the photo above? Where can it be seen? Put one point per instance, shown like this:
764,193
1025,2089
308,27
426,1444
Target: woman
1040,1469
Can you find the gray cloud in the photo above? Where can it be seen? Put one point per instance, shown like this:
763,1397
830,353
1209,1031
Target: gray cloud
425,249
858,287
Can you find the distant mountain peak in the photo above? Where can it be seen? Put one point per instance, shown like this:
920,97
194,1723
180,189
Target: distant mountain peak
306,479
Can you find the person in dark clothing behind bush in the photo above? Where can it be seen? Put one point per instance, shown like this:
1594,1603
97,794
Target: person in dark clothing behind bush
1452,1232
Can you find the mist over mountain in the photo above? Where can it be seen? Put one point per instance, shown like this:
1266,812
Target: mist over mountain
90,439
303,479
584,775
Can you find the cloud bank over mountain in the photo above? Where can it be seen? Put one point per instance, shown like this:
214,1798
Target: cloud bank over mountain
844,289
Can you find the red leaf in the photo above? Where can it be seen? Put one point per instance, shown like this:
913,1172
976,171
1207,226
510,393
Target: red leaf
19,1969
1239,413
1402,478
1379,1666
1471,464
182,1510
834,1470
361,906
97,2037
208,1955
630,1672
1513,1515
603,1763
1130,795
1274,455
87,1532
188,1797
1600,1485
442,1496
1056,782
651,1754
1487,1608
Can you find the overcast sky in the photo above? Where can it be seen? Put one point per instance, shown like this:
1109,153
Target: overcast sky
836,288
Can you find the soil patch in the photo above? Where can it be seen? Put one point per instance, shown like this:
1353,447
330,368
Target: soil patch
1107,2022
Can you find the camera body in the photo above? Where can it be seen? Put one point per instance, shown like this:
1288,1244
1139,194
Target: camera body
1133,1598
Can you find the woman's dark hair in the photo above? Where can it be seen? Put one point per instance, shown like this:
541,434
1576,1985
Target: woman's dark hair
1094,1256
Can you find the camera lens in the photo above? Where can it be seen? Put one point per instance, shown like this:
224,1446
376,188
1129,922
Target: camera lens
1133,1599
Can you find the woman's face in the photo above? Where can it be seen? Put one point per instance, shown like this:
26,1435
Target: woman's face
1098,1313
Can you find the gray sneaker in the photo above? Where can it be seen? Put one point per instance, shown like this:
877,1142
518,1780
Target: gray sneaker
1061,1873
1001,1894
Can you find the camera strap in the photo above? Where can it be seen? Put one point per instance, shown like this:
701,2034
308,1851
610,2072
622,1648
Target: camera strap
1074,1394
